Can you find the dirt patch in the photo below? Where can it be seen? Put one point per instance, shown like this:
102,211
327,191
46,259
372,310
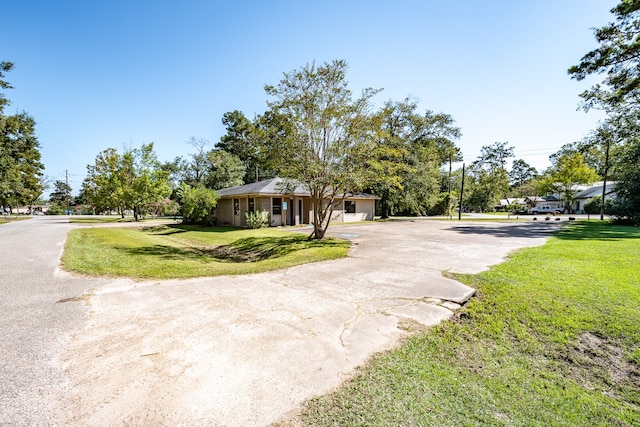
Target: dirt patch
614,372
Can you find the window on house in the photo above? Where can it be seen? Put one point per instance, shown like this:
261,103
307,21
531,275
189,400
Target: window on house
236,206
252,204
277,205
349,206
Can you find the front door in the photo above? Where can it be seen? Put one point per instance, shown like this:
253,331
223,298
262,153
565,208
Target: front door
292,217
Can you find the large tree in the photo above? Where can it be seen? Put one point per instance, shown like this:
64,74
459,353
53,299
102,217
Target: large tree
489,177
61,193
214,169
20,165
102,188
242,140
223,170
194,169
390,160
566,175
145,181
409,151
5,67
521,172
619,57
628,188
432,145
330,136
133,180
601,148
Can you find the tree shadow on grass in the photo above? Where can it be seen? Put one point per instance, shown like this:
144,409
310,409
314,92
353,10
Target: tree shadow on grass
165,252
598,231
169,229
579,230
251,249
203,228
164,230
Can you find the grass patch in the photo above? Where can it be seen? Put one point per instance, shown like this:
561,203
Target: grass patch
552,339
4,219
177,251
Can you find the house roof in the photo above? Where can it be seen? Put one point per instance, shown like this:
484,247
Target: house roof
513,201
276,186
596,190
268,186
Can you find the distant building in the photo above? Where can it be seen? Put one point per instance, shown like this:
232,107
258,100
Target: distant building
585,196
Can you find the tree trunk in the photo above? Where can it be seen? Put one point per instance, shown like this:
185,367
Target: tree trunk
319,218
384,204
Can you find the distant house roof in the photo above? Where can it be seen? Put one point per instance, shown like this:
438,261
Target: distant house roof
513,201
276,186
596,190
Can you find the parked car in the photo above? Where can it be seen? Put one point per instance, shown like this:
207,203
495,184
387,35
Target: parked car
546,210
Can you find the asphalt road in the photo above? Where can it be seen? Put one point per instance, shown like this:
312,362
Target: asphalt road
34,326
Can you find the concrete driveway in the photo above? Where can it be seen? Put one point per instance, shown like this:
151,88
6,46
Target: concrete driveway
234,351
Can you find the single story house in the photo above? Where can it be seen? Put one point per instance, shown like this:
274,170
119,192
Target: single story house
583,197
286,206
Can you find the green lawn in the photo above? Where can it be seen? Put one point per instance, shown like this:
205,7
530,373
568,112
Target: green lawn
178,251
552,339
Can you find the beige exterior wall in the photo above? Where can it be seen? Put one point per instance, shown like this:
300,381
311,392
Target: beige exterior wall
224,212
263,204
365,211
337,215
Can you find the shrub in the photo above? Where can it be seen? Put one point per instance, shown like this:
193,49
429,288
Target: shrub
625,212
55,209
197,204
593,206
258,219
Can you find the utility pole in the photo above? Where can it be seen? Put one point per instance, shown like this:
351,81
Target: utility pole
449,197
604,183
66,190
461,195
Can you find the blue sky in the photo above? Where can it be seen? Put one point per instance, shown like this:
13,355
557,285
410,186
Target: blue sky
100,74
